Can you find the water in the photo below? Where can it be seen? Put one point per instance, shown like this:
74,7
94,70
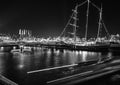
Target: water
15,65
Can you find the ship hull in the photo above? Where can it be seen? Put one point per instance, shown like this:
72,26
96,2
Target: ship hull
83,48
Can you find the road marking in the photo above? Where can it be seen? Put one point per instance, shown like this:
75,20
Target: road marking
51,68
68,77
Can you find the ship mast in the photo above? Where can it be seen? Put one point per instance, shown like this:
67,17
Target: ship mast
75,23
87,19
100,24
73,16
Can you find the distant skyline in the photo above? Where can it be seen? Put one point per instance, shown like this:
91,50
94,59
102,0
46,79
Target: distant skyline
49,17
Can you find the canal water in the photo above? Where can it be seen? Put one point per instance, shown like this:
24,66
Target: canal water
21,67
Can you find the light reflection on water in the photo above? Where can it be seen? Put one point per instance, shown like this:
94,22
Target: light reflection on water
45,58
1,63
16,65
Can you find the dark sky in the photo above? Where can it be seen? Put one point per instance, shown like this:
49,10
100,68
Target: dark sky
49,17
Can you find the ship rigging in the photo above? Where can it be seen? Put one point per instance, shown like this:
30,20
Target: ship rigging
75,19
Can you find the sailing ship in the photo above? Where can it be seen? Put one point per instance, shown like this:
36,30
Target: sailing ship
96,45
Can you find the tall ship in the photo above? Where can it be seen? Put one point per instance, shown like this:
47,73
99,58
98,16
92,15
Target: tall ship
74,43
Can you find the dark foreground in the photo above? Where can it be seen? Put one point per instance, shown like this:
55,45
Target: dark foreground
56,67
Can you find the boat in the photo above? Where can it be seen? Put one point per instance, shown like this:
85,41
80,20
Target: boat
114,47
22,49
15,50
96,45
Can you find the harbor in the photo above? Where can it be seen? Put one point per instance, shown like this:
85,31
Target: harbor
72,57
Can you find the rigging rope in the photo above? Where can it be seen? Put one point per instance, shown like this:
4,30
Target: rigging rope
68,23
82,3
71,18
95,6
105,28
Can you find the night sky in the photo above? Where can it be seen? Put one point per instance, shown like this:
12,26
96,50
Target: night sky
49,17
